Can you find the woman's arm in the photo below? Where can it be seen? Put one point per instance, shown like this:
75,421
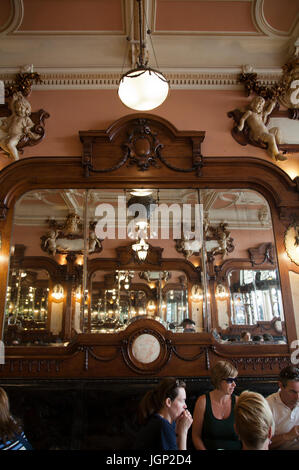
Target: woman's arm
198,417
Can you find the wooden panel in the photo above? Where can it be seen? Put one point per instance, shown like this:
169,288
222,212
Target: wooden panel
108,355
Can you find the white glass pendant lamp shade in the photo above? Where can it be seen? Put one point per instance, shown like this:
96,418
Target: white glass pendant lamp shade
143,89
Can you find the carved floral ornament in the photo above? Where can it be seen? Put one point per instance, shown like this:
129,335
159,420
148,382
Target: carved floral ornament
19,126
255,125
140,140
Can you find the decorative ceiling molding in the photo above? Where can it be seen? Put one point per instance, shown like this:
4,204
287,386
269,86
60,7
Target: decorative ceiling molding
189,59
15,19
214,80
263,25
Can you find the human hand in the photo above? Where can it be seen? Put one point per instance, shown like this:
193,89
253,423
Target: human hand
293,433
184,422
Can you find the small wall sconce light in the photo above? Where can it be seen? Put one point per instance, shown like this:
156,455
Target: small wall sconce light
58,292
196,293
221,292
151,307
291,241
78,294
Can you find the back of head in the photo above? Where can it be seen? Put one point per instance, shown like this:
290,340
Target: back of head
253,419
154,400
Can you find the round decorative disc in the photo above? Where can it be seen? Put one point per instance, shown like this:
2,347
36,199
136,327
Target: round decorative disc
146,348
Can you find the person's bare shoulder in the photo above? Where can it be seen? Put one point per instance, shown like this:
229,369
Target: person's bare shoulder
201,402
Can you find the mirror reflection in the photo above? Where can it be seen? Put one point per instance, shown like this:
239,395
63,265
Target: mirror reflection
255,296
94,261
120,297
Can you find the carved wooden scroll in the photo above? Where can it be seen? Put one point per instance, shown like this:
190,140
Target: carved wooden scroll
143,141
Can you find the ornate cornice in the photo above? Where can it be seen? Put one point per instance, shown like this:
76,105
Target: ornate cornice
220,79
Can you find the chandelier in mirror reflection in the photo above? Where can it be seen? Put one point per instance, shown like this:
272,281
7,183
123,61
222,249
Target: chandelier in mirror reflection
171,220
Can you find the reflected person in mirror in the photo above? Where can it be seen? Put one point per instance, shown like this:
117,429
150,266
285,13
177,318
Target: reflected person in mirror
245,336
188,325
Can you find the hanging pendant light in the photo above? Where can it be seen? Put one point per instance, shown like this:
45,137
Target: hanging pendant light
141,249
142,88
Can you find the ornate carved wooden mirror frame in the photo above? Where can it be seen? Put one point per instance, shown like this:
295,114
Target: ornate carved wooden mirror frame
140,151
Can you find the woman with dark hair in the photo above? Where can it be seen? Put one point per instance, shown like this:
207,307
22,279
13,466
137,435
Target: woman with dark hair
11,435
165,418
213,426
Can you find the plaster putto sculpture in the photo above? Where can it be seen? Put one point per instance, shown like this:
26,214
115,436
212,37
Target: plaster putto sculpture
256,118
17,126
69,237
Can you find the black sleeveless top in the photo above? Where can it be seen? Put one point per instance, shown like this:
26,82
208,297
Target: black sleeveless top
219,433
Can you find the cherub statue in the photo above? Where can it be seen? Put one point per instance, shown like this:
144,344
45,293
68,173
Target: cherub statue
50,242
256,117
94,242
223,238
17,125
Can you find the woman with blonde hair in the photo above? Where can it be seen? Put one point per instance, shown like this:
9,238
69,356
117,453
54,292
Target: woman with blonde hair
254,421
11,435
213,418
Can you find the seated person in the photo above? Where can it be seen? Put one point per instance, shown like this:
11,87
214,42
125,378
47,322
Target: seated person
213,418
267,337
257,338
12,436
245,336
188,325
253,421
165,418
285,409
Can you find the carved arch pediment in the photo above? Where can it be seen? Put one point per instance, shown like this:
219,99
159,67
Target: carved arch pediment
144,141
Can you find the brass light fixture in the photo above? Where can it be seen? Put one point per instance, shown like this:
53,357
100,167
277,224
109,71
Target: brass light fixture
58,292
142,88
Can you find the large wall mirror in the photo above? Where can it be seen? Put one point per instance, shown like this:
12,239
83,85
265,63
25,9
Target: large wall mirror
94,261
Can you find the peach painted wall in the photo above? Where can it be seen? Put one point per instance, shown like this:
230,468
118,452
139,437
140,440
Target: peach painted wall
74,110
72,15
204,16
